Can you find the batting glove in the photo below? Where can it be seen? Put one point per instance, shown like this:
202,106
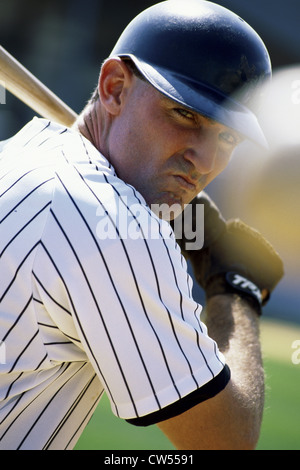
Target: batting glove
235,258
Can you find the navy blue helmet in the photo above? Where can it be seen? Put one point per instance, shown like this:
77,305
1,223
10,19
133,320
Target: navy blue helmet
203,56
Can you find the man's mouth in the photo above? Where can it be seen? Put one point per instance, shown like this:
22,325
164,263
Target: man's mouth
185,182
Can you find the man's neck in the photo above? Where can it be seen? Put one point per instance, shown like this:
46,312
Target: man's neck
89,125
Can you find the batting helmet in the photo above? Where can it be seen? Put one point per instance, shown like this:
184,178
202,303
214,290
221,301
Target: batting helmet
203,56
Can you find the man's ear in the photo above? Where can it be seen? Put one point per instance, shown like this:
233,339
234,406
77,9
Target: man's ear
114,82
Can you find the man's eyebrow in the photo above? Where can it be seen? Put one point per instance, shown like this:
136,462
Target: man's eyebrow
211,121
172,102
191,110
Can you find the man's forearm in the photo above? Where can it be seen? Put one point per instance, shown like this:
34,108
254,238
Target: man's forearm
234,325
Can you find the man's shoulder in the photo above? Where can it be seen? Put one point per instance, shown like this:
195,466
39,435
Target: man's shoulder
43,143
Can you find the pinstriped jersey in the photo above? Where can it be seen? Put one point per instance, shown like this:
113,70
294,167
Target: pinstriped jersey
94,298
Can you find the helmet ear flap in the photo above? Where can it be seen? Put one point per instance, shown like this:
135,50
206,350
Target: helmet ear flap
203,56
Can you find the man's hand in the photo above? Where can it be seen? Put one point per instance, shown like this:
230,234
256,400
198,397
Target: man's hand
235,257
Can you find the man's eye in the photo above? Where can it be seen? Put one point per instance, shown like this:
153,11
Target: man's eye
184,113
229,138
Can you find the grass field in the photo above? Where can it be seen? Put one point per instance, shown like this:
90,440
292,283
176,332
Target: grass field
281,423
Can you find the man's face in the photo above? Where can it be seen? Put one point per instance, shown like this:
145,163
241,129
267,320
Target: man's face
167,152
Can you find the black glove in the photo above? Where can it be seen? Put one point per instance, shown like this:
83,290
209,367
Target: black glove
211,227
237,258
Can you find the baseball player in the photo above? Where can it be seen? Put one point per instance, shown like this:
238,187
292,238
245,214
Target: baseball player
94,292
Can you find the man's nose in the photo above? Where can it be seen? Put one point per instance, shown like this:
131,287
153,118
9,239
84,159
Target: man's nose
203,153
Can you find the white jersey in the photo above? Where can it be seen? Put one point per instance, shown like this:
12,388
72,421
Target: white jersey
94,298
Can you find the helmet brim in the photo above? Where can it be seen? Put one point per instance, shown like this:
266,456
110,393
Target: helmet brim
203,99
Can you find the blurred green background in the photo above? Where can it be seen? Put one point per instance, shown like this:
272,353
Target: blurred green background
281,422
63,42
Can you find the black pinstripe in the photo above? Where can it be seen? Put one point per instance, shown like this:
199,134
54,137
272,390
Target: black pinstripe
82,314
139,296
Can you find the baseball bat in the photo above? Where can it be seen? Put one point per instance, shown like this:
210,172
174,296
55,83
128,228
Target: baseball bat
29,89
